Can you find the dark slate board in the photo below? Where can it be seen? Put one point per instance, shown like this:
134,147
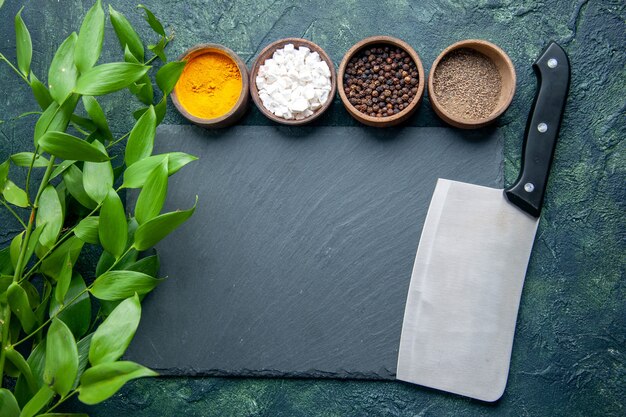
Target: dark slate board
298,258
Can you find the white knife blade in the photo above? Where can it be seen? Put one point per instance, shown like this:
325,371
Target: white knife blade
471,261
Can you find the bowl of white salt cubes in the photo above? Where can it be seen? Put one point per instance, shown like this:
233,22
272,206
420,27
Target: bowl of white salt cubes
293,81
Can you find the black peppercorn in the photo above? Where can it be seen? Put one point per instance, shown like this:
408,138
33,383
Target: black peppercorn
381,81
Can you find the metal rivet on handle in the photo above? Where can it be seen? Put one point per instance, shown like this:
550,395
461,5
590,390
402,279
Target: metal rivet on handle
552,63
542,127
529,187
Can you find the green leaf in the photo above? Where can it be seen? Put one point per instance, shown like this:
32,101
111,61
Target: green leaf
136,175
102,381
113,336
63,280
32,243
39,401
107,78
87,230
117,285
18,301
6,266
61,358
154,230
4,172
159,49
149,265
154,23
40,91
49,215
23,159
83,357
53,263
142,89
77,315
55,118
160,109
70,147
20,363
152,196
89,43
141,139
73,178
15,248
14,194
61,168
42,308
126,34
97,115
98,177
129,57
5,279
112,229
35,361
63,73
83,123
32,293
8,404
23,44
168,75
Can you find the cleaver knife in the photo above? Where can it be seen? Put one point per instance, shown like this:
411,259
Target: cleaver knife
469,270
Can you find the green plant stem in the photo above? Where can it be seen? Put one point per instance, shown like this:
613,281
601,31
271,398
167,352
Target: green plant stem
62,400
31,221
115,142
19,219
30,169
81,130
20,263
168,39
5,321
22,76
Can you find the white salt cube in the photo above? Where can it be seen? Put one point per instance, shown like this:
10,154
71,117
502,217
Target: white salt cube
309,92
312,58
299,105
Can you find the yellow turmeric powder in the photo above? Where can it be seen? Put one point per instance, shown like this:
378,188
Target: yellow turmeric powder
209,86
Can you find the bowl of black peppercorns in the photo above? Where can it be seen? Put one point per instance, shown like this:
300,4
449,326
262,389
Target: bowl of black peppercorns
381,81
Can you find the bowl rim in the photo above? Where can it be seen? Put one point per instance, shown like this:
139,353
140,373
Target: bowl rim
471,123
381,39
201,49
268,51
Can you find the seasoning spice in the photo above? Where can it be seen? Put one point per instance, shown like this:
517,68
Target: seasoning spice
467,84
209,86
381,80
293,83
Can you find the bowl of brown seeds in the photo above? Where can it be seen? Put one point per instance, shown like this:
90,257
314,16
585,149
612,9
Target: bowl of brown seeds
381,81
471,83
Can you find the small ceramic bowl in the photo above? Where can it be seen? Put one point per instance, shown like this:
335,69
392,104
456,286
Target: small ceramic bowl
238,109
384,121
507,74
266,54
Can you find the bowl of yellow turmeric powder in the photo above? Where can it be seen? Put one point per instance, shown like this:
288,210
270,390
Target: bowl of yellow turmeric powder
213,90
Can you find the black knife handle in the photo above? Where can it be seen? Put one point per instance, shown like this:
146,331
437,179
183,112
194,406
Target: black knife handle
542,128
